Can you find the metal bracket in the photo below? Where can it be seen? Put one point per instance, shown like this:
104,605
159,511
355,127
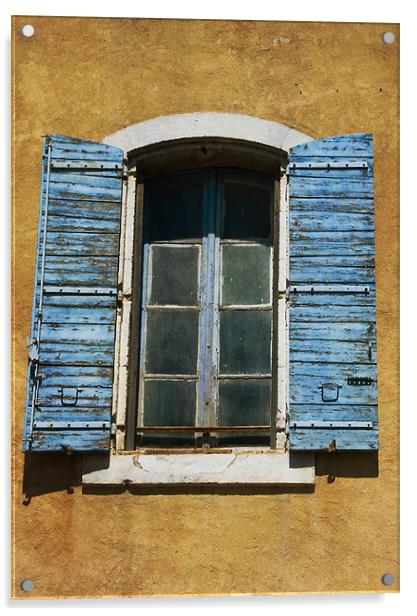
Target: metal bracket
121,297
336,288
33,353
92,165
367,425
360,380
52,290
73,425
351,164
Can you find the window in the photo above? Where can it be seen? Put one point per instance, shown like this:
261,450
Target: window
207,310
161,322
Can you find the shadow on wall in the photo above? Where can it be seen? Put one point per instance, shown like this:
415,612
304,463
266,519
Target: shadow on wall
347,464
53,472
47,473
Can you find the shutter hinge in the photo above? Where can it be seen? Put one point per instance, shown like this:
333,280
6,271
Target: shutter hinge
295,425
95,165
123,296
351,164
34,352
71,425
335,288
67,290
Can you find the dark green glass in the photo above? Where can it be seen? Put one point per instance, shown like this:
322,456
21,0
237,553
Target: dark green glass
168,403
244,402
174,275
247,211
246,274
176,211
172,339
245,342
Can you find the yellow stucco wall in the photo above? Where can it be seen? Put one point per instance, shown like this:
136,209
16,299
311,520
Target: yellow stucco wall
90,77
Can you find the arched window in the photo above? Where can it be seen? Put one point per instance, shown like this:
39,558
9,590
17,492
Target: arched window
206,317
204,373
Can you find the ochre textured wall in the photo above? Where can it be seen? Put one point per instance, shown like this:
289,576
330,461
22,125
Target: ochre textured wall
90,77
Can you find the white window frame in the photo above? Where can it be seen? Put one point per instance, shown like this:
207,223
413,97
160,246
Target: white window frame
243,465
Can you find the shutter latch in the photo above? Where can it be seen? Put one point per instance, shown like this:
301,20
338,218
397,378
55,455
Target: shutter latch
69,401
330,392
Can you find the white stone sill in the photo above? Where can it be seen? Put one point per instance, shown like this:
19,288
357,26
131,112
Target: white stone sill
272,468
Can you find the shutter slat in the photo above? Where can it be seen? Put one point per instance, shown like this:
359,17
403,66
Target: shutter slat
338,243
63,440
92,244
83,271
73,361
325,221
331,295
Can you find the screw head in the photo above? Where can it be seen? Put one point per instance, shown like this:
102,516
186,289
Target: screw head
27,585
28,30
388,37
387,579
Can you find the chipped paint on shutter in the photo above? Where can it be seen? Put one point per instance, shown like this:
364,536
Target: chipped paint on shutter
71,357
333,368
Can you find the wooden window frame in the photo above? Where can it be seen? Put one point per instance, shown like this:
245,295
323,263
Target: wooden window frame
127,340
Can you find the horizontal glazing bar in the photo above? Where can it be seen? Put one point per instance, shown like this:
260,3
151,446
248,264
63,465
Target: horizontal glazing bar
251,242
244,376
173,307
170,377
203,429
254,308
180,242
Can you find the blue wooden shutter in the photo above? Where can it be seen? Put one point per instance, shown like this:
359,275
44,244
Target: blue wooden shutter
333,370
71,357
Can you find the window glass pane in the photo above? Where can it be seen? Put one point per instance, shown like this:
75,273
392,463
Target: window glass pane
174,273
247,211
171,342
176,212
245,342
246,274
244,402
169,403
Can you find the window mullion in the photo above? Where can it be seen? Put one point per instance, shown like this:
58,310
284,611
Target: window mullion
206,407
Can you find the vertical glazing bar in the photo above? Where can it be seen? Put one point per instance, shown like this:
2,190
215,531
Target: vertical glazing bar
206,407
145,281
275,312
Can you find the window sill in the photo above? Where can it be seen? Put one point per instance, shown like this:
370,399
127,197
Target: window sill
238,467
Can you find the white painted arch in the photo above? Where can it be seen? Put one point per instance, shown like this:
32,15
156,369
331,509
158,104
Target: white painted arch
206,125
240,467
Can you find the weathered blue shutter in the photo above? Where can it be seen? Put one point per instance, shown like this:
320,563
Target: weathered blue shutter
333,371
71,357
